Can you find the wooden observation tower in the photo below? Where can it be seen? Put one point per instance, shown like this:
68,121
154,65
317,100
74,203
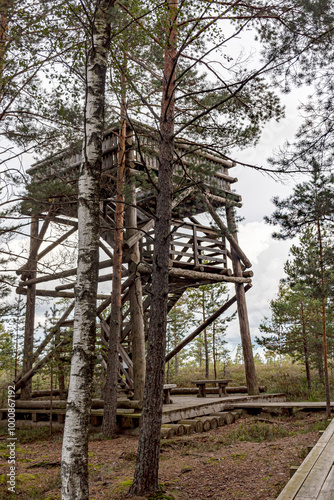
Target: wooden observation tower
199,254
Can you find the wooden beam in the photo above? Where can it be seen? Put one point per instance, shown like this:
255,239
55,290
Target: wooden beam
63,274
56,243
204,325
66,222
130,242
179,197
54,293
52,331
36,242
250,371
195,275
25,378
102,279
224,201
106,250
227,233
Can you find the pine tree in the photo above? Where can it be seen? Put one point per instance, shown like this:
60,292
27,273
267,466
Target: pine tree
311,206
302,45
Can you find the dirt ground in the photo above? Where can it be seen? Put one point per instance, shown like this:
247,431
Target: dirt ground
249,459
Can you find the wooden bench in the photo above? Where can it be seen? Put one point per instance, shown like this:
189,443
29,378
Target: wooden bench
167,389
201,384
314,479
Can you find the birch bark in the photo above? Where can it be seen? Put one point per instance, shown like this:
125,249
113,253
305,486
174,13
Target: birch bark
74,467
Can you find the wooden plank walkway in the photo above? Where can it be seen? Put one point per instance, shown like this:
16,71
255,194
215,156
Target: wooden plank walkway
183,407
288,405
314,479
189,406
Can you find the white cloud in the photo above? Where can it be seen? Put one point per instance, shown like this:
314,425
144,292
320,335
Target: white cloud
268,257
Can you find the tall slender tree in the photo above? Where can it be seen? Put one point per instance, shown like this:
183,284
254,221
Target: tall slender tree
310,205
74,466
147,465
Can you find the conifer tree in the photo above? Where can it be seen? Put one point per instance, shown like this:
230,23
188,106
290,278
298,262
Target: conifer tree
310,206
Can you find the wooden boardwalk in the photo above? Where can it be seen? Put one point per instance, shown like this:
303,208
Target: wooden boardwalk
183,407
314,479
290,405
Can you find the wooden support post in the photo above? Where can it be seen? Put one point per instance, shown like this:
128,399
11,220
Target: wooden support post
30,309
250,371
22,382
204,325
34,247
228,232
136,302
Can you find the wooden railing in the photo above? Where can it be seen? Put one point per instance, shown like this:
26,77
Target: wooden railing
192,247
142,154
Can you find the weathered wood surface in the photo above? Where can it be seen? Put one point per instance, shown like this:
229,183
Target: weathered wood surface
96,404
167,433
314,479
242,389
167,389
190,407
197,425
204,325
289,405
195,275
179,429
222,383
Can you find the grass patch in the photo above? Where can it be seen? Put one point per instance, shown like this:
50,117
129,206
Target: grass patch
35,434
254,431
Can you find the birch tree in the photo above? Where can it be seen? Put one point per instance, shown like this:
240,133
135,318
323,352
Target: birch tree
74,466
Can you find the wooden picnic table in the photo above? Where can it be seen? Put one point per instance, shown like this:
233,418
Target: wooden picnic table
167,389
201,384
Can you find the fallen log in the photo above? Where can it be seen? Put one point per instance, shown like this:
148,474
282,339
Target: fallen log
212,420
220,418
166,433
179,429
197,425
228,417
205,422
96,404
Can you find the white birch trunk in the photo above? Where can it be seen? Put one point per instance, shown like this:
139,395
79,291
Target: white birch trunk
74,467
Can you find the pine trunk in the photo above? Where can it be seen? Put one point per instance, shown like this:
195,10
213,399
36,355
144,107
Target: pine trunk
136,302
28,346
324,324
74,466
146,473
59,367
206,347
214,350
306,353
110,396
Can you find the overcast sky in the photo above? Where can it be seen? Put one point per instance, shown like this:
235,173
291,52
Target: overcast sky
257,189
